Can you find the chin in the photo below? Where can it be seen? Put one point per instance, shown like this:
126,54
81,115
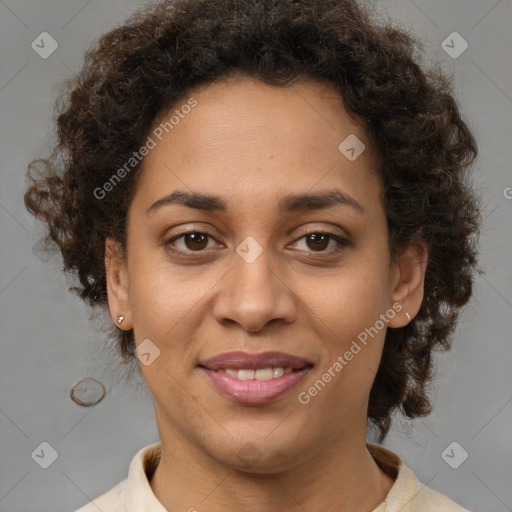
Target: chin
258,456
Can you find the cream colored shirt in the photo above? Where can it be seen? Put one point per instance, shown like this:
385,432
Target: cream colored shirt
134,494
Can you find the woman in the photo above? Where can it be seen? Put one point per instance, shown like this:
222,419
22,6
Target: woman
271,200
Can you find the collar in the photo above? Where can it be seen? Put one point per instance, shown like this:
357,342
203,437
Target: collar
140,496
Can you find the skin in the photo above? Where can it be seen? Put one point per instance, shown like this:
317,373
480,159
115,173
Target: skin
252,144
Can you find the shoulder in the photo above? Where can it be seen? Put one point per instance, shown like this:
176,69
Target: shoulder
134,493
113,500
408,494
429,500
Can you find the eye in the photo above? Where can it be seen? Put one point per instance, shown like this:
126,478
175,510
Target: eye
319,241
194,241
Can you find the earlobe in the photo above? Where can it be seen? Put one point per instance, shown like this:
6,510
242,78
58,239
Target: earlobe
409,282
117,284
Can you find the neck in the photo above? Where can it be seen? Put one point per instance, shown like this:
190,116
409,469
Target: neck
340,476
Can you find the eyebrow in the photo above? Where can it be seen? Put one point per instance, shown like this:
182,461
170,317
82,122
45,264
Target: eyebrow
288,204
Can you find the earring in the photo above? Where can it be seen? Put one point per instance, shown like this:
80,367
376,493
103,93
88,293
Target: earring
408,316
120,319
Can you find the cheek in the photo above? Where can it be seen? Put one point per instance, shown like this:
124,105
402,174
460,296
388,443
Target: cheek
348,301
347,312
353,342
158,298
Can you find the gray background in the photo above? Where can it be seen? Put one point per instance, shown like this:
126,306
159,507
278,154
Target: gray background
48,341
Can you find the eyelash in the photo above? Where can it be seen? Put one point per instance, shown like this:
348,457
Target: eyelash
342,242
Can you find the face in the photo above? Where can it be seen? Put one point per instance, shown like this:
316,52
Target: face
225,253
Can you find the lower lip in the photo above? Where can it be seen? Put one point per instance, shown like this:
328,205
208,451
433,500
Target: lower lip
254,391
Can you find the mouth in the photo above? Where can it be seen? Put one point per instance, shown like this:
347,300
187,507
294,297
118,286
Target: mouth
255,378
258,374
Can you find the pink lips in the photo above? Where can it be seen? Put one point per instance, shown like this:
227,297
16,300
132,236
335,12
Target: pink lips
239,360
254,391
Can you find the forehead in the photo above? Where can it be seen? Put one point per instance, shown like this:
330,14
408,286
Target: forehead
253,142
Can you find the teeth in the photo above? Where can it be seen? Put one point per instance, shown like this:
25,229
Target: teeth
260,374
277,372
246,374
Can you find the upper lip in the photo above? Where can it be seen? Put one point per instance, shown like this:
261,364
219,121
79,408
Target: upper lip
238,360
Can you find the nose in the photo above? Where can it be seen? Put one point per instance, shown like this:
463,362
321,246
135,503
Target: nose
253,294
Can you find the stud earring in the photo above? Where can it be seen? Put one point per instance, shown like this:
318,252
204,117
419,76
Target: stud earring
120,319
408,316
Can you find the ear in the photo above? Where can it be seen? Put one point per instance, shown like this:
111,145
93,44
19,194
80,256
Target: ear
117,284
408,281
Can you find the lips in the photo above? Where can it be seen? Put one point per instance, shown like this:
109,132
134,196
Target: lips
239,360
254,378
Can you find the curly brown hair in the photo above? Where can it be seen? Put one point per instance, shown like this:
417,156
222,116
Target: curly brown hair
135,73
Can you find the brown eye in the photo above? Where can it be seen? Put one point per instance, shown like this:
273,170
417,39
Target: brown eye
196,241
318,241
193,241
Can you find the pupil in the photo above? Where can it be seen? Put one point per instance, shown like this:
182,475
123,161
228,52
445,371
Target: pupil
194,237
315,237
